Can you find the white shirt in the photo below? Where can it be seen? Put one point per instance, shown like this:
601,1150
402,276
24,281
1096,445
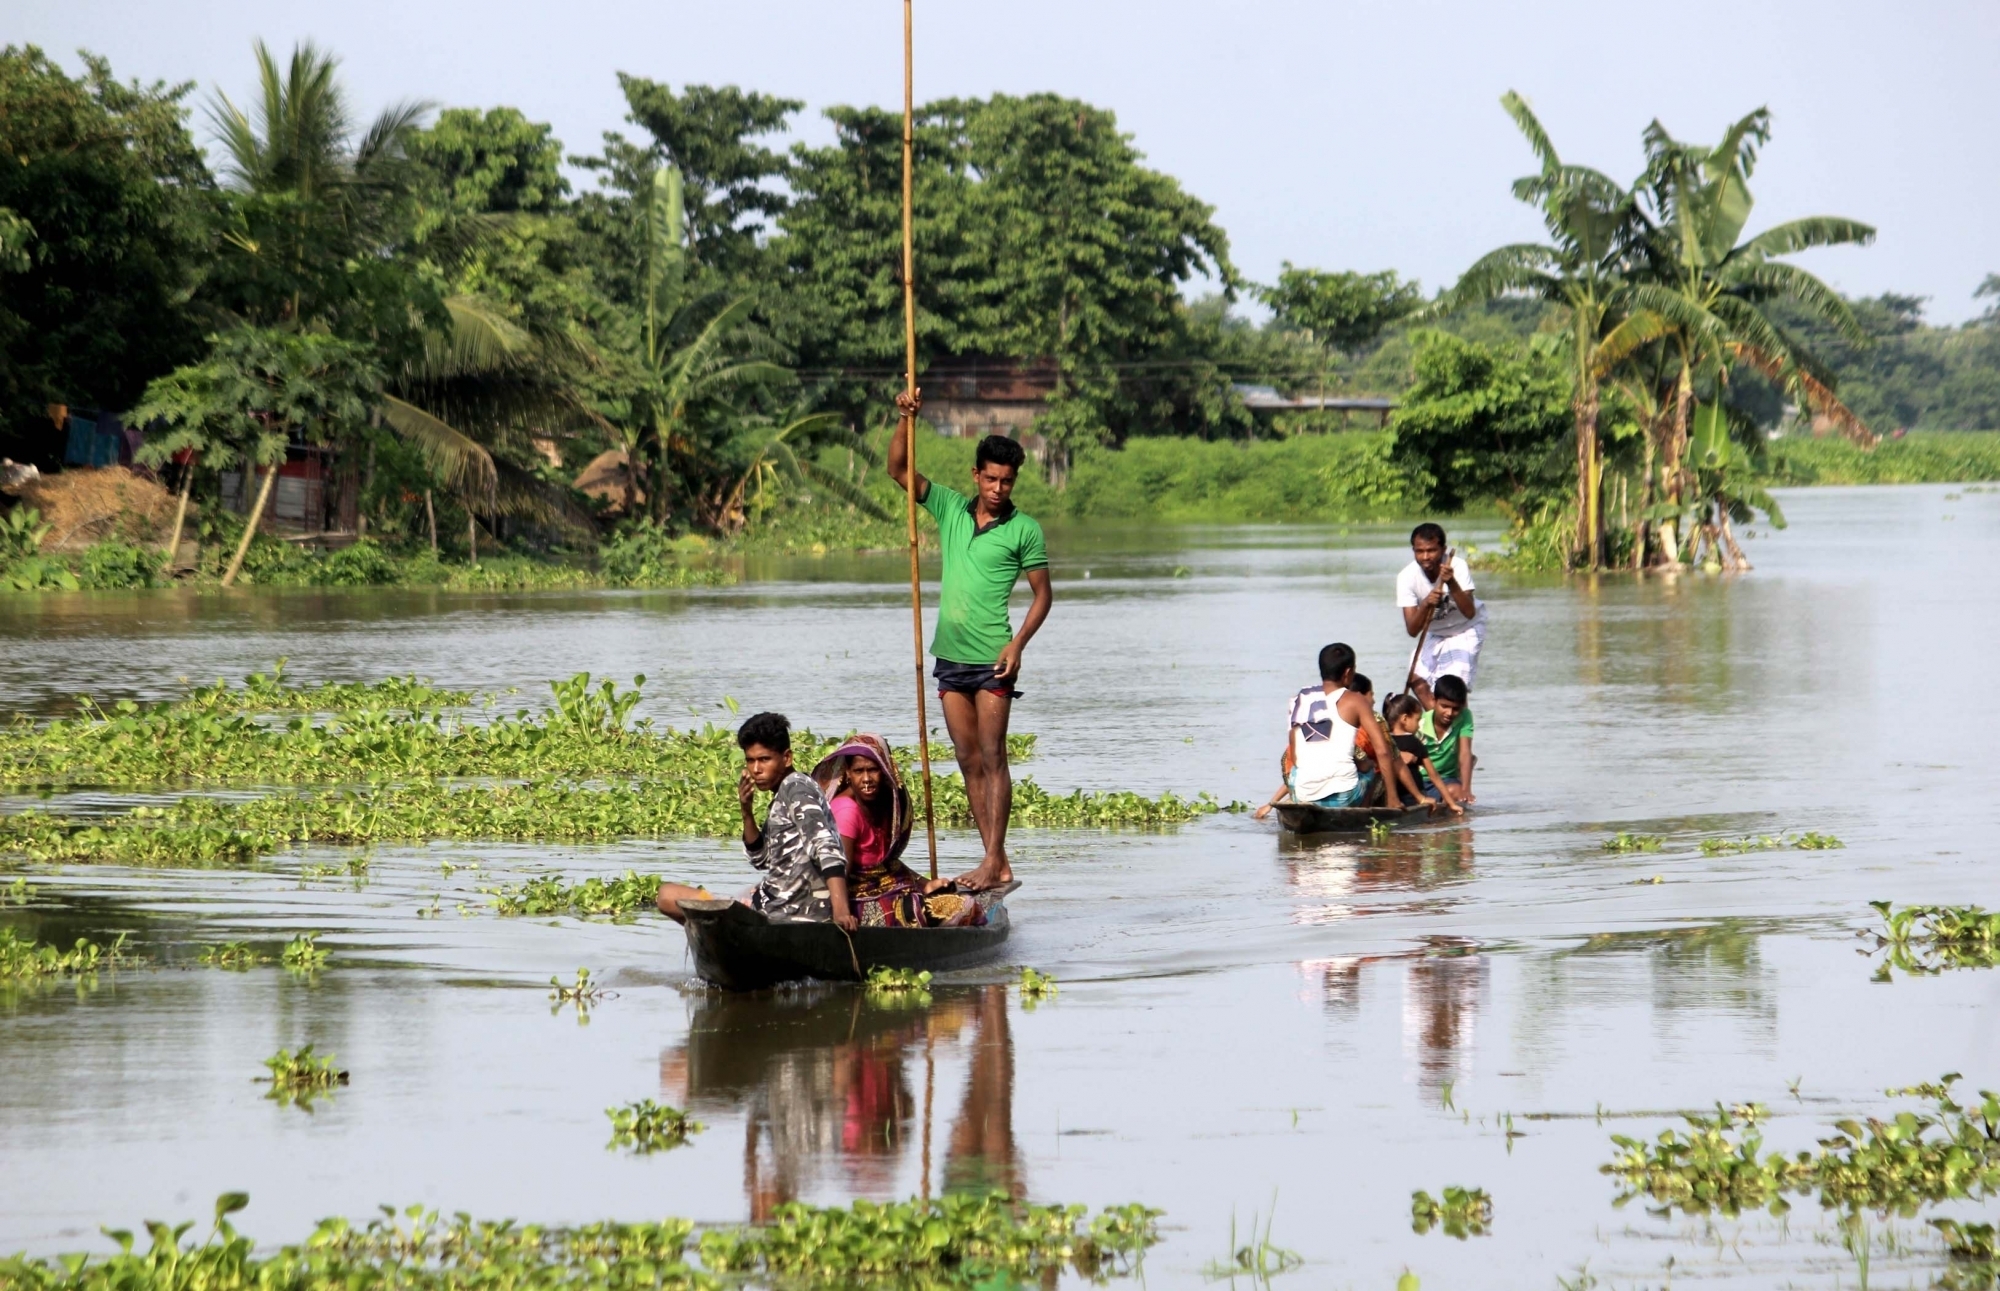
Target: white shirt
1412,587
1322,745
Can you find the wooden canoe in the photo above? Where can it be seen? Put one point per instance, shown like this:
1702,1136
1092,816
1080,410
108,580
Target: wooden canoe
739,949
1300,818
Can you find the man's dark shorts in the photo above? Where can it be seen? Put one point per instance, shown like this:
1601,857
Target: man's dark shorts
969,679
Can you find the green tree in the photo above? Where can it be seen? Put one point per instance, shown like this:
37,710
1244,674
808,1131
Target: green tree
107,208
1715,294
259,389
1482,423
1344,311
496,161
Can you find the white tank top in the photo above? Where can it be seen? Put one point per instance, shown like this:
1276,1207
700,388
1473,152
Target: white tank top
1322,745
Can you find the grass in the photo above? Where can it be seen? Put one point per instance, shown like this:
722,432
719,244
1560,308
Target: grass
1259,1257
647,1126
1922,457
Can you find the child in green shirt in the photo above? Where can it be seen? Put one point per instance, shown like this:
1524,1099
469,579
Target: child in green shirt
1446,731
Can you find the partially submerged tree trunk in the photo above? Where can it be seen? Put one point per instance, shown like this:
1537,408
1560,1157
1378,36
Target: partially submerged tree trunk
1588,546
1729,537
431,517
250,529
1670,467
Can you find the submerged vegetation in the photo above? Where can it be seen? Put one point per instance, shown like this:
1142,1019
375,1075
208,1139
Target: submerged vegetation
898,986
1808,842
303,954
1898,1164
647,1126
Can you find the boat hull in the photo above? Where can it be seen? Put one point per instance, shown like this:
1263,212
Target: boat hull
739,949
1302,819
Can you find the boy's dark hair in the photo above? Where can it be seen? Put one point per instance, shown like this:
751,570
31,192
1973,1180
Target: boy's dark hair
768,729
1336,661
1360,684
1398,707
999,450
1429,532
1451,688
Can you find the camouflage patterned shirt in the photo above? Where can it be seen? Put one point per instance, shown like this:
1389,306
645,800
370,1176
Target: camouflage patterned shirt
798,851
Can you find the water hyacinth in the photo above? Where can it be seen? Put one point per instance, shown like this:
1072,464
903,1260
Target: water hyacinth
647,1126
1461,1213
1898,1164
1928,939
23,957
954,1242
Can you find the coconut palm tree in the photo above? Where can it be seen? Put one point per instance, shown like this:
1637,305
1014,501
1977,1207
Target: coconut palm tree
1711,290
1584,268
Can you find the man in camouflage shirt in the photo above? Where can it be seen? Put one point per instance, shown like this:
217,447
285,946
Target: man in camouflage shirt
797,847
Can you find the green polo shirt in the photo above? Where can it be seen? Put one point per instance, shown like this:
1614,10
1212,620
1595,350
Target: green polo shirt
980,569
1444,748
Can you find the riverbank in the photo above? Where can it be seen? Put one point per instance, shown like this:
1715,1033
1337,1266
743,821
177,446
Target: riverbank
1345,478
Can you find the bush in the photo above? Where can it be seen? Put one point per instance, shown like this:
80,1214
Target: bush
107,566
362,564
1923,457
645,555
1328,478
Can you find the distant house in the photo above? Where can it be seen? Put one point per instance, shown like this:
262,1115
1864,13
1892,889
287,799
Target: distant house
971,398
1258,398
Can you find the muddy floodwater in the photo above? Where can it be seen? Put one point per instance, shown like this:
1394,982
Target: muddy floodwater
1248,1025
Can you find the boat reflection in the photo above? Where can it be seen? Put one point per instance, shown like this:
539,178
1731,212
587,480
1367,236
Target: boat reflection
1333,873
838,1089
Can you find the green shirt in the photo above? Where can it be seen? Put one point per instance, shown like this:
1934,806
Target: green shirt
1444,751
980,569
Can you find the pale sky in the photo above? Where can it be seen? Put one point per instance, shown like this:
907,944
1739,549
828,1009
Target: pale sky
1334,134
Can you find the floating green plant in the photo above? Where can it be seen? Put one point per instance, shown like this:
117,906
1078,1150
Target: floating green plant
957,1241
273,692
647,1126
1036,986
302,954
585,734
1927,939
550,894
1967,1241
1462,1213
898,986
24,957
1624,842
298,1078
237,955
19,892
1766,843
1898,1164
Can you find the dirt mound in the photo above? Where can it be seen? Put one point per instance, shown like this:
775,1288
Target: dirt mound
83,505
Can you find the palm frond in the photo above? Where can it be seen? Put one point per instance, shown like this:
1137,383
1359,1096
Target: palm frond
845,490
1520,267
460,461
1531,129
1813,231
1806,288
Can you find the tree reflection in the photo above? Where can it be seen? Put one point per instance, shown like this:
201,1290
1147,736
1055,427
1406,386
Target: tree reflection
836,1087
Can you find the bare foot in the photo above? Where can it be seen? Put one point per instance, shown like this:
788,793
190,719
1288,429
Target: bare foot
991,873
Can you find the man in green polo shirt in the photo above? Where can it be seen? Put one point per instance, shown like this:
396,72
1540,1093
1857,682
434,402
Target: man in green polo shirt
987,545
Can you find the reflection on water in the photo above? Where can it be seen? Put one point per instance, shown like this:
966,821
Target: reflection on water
837,1087
1324,869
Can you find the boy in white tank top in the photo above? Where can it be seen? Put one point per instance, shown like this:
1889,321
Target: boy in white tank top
1319,742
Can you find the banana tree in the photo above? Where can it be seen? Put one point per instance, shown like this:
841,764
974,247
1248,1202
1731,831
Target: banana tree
1723,472
779,454
1592,223
1711,290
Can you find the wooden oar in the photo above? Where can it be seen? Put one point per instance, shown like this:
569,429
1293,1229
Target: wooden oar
910,429
1425,626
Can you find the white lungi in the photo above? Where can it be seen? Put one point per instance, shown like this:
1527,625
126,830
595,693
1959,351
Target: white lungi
1456,655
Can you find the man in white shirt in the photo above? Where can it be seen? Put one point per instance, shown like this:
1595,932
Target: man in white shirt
1425,589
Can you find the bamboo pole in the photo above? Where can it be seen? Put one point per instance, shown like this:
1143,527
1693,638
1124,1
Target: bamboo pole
910,426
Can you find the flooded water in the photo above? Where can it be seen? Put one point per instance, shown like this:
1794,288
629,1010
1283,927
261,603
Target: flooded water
1248,1025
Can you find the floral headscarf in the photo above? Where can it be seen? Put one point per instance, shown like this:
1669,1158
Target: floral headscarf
828,774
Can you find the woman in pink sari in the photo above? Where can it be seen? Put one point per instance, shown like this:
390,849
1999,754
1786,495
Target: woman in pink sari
871,809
